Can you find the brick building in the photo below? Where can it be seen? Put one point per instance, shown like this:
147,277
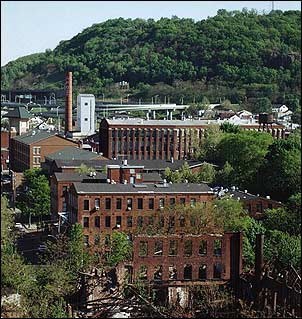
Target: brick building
29,150
157,139
175,259
4,150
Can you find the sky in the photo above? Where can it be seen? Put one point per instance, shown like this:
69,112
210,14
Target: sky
33,26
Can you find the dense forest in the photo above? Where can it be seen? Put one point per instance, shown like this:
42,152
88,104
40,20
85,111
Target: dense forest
243,56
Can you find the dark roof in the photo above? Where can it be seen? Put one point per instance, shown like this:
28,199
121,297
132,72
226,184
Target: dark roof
242,195
73,153
19,112
148,164
77,177
86,188
33,136
152,177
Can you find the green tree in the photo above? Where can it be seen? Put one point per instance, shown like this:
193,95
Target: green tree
230,128
224,177
206,174
84,169
35,200
120,248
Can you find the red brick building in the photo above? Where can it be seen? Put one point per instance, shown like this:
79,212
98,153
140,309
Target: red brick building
176,258
157,139
4,150
29,150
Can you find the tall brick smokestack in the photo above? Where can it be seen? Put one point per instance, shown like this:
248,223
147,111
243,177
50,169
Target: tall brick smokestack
68,102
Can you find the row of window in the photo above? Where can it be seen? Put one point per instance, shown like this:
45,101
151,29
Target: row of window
139,203
187,272
142,221
174,245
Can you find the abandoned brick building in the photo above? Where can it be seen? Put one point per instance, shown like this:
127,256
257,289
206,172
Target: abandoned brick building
157,139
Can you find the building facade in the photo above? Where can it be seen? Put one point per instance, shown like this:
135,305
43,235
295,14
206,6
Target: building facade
157,139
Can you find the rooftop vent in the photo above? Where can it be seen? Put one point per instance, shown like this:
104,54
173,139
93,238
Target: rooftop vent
245,190
125,162
268,197
165,185
139,185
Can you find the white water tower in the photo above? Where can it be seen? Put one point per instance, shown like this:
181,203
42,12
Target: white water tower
86,114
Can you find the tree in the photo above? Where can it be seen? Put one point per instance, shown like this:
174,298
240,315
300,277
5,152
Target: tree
224,177
206,174
230,128
120,248
35,199
262,105
84,169
280,173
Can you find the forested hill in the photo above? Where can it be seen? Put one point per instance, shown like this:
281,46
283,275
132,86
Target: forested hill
238,51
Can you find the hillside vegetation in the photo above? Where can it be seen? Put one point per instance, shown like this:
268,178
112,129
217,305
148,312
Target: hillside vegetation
237,55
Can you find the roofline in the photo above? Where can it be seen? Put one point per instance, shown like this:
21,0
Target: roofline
144,192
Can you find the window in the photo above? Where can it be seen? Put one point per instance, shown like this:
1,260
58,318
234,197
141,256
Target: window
96,239
150,220
140,221
161,203
158,272
171,221
140,203
182,221
86,222
172,273
129,221
158,248
202,273
151,203
217,271
143,248
259,208
108,203
129,203
188,248
97,221
173,248
270,206
86,240
118,203
132,171
64,190
86,204
64,208
193,202
97,203
161,221
85,119
86,103
107,239
203,247
217,247
182,201
36,150
107,221
249,208
188,272
172,201
118,221
143,272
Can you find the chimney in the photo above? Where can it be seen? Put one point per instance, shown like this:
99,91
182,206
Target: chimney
68,102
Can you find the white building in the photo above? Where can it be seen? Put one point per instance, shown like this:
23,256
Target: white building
86,114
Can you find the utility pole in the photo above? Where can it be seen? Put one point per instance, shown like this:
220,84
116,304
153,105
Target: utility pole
272,5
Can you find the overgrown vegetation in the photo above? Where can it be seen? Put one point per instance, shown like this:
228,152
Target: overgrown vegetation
242,56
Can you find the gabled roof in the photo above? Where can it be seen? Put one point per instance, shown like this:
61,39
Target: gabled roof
19,112
33,136
73,153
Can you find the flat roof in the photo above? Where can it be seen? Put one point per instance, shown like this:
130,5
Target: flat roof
77,177
33,136
182,188
73,152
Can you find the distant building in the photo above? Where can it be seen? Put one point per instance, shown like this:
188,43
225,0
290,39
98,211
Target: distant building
18,120
29,150
86,114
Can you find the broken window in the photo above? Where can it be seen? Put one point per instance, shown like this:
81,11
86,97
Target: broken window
86,222
173,248
172,201
97,221
143,272
129,221
118,221
139,203
182,201
107,239
193,202
96,239
140,221
129,203
161,221
171,221
188,248
143,248
188,272
150,220
107,221
158,273
161,203
217,247
182,221
158,248
172,273
108,203
97,203
151,203
193,221
202,273
203,247
217,271
86,240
